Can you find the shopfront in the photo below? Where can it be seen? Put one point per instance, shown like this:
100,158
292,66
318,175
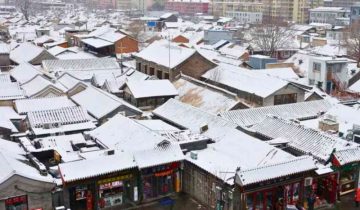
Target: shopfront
114,191
160,181
325,189
274,198
348,177
17,203
82,196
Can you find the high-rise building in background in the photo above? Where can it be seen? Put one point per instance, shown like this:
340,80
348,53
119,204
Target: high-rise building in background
102,4
292,10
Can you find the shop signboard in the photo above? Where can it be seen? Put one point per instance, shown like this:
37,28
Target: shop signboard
165,173
114,179
113,200
345,167
17,203
273,182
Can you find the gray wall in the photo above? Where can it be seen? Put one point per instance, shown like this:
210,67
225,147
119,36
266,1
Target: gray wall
213,36
289,89
40,199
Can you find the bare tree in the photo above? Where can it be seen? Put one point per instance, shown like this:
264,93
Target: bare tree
351,41
271,36
25,7
136,27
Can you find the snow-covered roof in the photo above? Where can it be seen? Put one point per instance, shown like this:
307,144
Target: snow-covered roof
192,118
69,81
166,15
151,88
274,171
104,165
24,106
80,64
247,80
4,48
301,62
302,139
11,91
100,103
38,84
24,72
160,49
157,125
205,96
220,158
216,56
355,87
112,36
130,75
5,77
162,154
97,43
7,113
282,73
300,111
124,134
347,155
43,39
64,116
26,52
62,144
12,163
58,50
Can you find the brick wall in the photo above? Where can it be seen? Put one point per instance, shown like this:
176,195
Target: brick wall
128,44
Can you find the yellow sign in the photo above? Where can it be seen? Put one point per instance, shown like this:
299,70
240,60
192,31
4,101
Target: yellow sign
165,173
113,179
57,156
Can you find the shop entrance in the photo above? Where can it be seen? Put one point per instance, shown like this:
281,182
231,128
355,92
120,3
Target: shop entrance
82,197
325,189
348,180
274,198
114,191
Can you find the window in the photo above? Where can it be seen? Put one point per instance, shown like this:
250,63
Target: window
285,99
316,66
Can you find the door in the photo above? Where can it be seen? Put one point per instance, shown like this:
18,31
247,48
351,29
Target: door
328,86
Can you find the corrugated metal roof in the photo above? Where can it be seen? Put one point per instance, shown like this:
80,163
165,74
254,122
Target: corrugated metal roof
273,171
38,104
160,155
300,111
80,64
348,155
65,116
303,139
187,116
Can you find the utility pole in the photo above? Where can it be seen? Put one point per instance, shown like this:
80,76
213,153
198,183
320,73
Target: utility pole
121,57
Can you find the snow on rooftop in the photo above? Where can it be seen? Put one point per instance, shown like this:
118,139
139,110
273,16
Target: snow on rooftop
160,49
38,84
192,118
151,88
12,163
25,52
80,64
204,96
24,72
112,36
163,154
11,91
302,139
247,80
157,125
285,168
104,165
300,111
125,135
282,73
97,43
24,106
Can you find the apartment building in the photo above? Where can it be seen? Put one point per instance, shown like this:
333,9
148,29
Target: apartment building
330,15
245,17
102,4
340,3
295,10
189,7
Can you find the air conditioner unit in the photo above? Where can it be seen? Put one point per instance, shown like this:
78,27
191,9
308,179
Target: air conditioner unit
204,128
56,125
194,155
110,152
308,181
47,126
